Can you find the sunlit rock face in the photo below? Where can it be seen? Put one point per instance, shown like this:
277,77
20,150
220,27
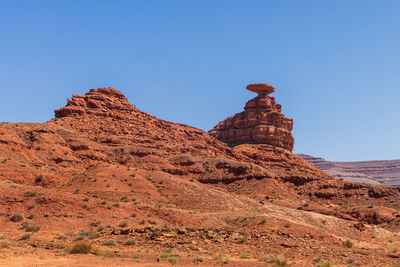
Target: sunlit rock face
261,122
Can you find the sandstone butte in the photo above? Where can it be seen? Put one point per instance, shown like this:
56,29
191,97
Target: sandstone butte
261,122
127,183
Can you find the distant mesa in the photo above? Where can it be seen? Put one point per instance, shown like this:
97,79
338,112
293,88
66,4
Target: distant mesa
261,122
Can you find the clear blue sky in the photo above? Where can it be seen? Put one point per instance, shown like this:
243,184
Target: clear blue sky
335,64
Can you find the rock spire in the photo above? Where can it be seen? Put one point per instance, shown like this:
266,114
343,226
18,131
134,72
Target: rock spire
261,122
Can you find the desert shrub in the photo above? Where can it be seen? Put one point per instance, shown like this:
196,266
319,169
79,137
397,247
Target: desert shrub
62,237
30,216
32,228
124,199
123,224
130,242
100,228
4,244
83,232
25,236
39,178
81,248
152,222
110,243
320,263
135,256
244,256
197,260
93,235
277,262
251,217
16,217
242,239
31,206
3,236
29,194
172,260
347,244
133,215
95,224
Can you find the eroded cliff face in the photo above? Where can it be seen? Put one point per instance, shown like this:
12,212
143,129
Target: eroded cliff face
261,122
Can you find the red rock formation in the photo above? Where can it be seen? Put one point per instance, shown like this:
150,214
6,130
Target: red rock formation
261,122
106,102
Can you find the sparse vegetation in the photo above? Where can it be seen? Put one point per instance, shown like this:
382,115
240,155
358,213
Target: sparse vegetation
172,260
39,178
4,244
110,243
347,244
81,248
277,262
16,217
94,235
32,228
29,194
244,256
130,242
25,236
95,224
241,239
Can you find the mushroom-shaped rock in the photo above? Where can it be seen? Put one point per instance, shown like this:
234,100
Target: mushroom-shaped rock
261,122
262,89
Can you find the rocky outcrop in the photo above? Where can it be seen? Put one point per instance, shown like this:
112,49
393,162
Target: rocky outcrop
261,122
106,102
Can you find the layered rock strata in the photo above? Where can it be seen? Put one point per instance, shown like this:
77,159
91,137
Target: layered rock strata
261,122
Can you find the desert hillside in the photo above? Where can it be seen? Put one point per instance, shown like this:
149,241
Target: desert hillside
104,183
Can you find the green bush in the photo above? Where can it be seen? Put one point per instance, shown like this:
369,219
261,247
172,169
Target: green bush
172,260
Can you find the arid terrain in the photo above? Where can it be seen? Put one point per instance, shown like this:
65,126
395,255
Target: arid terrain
105,184
385,172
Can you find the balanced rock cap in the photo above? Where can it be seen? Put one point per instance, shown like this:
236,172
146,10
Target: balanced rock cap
261,88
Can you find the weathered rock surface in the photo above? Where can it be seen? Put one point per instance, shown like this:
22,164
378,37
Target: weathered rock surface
261,122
